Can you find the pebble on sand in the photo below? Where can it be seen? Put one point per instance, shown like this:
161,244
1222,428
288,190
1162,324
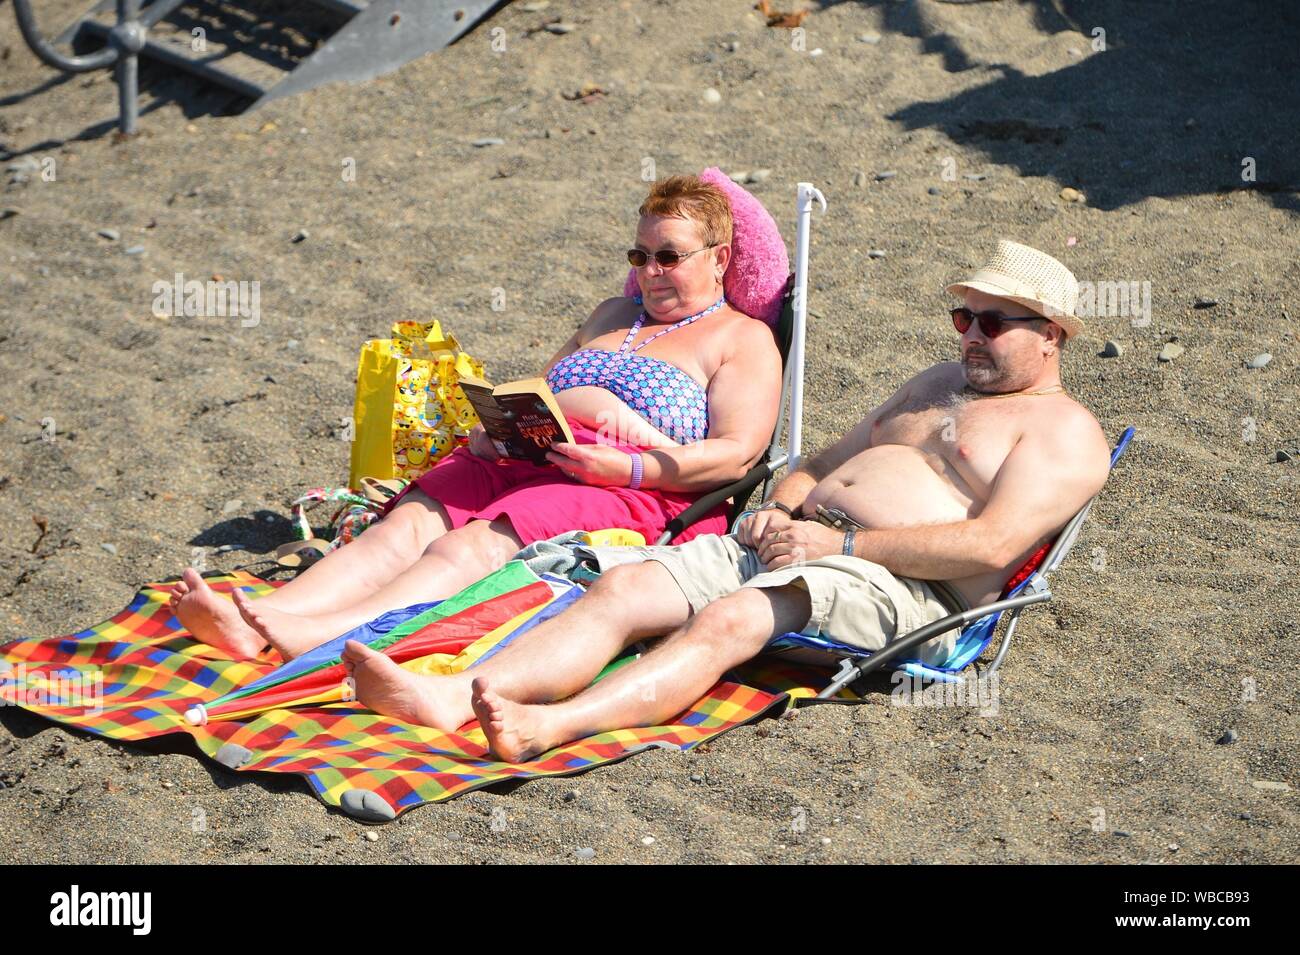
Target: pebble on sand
934,190
975,176
560,28
1271,785
1070,194
487,141
110,548
231,506
586,854
648,840
1203,302
872,38
112,235
1228,738
372,836
887,174
712,96
1260,360
300,236
859,179
1112,349
135,250
1171,351
876,254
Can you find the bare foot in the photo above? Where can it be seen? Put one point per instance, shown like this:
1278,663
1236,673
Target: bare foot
441,702
211,618
290,633
515,731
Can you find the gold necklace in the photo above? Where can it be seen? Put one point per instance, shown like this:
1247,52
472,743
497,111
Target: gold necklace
1053,390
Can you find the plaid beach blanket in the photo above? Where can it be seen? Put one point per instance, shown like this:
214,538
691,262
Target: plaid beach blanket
135,675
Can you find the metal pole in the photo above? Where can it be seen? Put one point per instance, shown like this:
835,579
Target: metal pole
128,38
807,193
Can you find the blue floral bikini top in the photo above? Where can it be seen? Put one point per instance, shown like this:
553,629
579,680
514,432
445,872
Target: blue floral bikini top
671,400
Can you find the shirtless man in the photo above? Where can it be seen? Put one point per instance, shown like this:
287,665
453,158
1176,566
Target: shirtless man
956,480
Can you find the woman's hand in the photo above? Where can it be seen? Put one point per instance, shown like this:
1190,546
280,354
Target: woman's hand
596,464
798,542
480,445
751,531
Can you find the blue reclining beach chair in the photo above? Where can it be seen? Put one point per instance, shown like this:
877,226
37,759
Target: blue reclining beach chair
1026,587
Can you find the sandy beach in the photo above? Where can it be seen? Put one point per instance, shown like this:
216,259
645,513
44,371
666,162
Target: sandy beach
1156,694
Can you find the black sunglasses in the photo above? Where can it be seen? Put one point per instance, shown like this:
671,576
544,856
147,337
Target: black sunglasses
667,258
992,323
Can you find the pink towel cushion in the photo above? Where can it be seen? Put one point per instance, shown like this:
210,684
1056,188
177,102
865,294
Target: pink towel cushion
756,278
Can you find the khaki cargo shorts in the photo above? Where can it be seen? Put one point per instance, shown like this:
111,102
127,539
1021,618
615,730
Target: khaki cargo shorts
854,601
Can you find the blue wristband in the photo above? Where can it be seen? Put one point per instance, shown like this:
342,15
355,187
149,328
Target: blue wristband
638,472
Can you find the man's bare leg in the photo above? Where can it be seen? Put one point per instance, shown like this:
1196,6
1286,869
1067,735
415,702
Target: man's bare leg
341,577
655,688
448,565
550,662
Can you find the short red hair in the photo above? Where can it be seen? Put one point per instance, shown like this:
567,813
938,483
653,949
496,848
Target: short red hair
690,197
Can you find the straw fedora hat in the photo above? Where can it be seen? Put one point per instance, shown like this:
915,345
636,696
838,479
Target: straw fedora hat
1033,279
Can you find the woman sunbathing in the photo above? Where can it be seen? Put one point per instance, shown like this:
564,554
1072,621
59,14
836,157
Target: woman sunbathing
669,394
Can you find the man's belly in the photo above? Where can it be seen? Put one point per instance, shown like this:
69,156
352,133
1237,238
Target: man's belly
607,414
894,485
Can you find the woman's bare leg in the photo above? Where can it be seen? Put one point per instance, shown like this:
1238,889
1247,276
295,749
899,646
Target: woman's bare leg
342,577
449,564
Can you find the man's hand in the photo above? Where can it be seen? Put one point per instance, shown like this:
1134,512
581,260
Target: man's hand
596,464
480,445
751,531
797,542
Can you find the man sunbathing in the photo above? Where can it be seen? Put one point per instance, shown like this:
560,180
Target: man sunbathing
939,494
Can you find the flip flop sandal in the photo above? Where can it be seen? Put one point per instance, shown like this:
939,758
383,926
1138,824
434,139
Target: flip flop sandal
379,491
301,553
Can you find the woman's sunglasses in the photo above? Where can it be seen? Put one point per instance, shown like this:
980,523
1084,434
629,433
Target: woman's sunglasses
667,258
992,323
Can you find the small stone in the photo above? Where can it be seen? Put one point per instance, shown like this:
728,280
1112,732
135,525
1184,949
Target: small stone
975,176
1228,738
1173,847
872,38
291,343
826,840
570,796
168,784
1245,816
300,236
560,28
9,213
1122,833
1070,194
1270,785
1203,302
859,179
372,836
934,190
1189,124
887,174
876,254
112,235
585,854
231,506
1260,360
647,840
712,96
817,52
1171,351
732,46
1112,349
135,250
109,548
739,176
1074,51
487,141
1284,455
758,175
696,778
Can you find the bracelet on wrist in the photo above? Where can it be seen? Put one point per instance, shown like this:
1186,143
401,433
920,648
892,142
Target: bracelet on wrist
775,505
638,472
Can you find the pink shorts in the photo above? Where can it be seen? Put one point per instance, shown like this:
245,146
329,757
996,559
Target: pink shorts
541,502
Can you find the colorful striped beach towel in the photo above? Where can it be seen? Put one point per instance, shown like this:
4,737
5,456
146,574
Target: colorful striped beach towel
136,675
